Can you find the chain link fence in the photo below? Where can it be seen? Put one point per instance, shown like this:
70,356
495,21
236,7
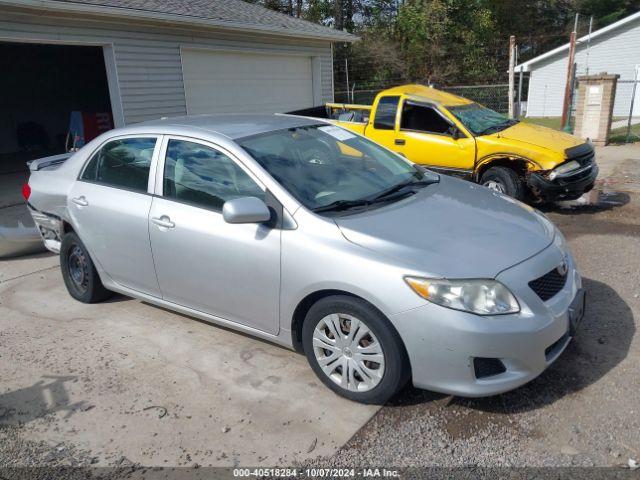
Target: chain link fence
358,80
495,96
625,127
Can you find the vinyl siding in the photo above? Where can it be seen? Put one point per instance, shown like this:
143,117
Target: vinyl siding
147,57
615,52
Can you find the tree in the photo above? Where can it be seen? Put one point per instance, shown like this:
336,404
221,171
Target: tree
446,41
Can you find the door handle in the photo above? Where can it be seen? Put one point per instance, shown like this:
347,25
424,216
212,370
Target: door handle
399,141
163,221
80,201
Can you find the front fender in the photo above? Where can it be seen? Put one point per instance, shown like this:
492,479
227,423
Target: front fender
481,164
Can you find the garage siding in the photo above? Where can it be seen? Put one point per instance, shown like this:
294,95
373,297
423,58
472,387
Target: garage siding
147,58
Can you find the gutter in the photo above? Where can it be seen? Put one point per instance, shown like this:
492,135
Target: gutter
121,12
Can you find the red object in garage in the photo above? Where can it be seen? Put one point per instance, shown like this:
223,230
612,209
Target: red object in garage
85,126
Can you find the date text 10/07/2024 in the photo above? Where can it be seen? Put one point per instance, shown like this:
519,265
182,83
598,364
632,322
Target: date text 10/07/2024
316,472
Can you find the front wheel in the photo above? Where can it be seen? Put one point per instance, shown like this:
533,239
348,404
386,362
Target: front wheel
79,272
354,350
504,180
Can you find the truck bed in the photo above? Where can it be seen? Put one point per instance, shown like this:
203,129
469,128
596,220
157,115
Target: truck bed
352,116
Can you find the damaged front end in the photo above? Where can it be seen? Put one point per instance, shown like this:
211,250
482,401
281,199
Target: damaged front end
569,180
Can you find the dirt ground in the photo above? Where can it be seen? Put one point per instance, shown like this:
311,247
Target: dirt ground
89,385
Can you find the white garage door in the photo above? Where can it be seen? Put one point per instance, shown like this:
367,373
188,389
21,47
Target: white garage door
232,82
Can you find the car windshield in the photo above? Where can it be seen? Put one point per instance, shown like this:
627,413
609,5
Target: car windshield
481,120
325,166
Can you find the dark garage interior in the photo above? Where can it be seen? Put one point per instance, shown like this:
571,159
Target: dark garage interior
41,85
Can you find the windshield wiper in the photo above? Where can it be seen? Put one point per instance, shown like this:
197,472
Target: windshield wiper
385,195
408,183
342,205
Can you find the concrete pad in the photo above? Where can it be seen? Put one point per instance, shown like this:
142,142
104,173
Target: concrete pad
19,267
126,379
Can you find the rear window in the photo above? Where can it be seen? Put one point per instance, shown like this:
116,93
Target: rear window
385,118
122,163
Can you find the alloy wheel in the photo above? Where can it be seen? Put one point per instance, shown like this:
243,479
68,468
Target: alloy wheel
348,352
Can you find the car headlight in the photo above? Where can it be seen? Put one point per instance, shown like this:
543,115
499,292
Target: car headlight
482,297
564,169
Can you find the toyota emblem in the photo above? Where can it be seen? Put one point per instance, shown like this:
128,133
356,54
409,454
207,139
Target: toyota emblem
562,268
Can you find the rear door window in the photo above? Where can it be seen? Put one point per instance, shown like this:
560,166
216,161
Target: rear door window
385,118
122,163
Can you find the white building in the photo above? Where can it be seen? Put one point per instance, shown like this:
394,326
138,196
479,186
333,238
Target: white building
614,49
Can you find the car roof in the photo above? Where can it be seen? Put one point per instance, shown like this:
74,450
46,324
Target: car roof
422,93
235,125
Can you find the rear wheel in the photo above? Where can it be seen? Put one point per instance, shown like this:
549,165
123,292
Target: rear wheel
354,350
79,272
503,180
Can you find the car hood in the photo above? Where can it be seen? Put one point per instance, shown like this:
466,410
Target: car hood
453,229
540,136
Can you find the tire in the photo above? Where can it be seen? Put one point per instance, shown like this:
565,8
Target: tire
504,180
364,383
79,272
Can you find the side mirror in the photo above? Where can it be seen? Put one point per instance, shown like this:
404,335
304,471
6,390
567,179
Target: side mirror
245,210
455,133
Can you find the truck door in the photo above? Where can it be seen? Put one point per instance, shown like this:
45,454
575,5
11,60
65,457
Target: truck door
428,137
383,127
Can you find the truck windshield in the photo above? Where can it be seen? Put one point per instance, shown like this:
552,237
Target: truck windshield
329,168
481,120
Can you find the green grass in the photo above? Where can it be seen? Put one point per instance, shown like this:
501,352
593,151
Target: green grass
551,122
618,135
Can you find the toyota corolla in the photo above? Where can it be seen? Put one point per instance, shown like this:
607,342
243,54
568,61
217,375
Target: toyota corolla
313,237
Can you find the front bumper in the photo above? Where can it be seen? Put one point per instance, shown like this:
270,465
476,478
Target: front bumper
567,188
442,343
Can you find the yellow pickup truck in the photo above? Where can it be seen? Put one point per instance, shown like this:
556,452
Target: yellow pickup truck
456,136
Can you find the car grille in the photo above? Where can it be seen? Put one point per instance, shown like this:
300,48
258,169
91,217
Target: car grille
549,284
583,154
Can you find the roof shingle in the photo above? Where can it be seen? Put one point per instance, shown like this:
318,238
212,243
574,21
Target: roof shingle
221,13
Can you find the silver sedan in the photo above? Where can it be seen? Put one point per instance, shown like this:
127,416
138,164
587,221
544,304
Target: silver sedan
310,236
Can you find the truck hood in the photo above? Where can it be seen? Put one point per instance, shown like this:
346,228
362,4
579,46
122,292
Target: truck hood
541,137
453,229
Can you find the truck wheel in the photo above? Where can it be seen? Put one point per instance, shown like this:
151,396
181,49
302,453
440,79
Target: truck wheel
79,272
354,350
503,180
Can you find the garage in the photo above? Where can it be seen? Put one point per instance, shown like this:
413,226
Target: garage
42,85
228,82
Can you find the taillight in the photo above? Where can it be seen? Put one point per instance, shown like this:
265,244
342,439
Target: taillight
26,191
